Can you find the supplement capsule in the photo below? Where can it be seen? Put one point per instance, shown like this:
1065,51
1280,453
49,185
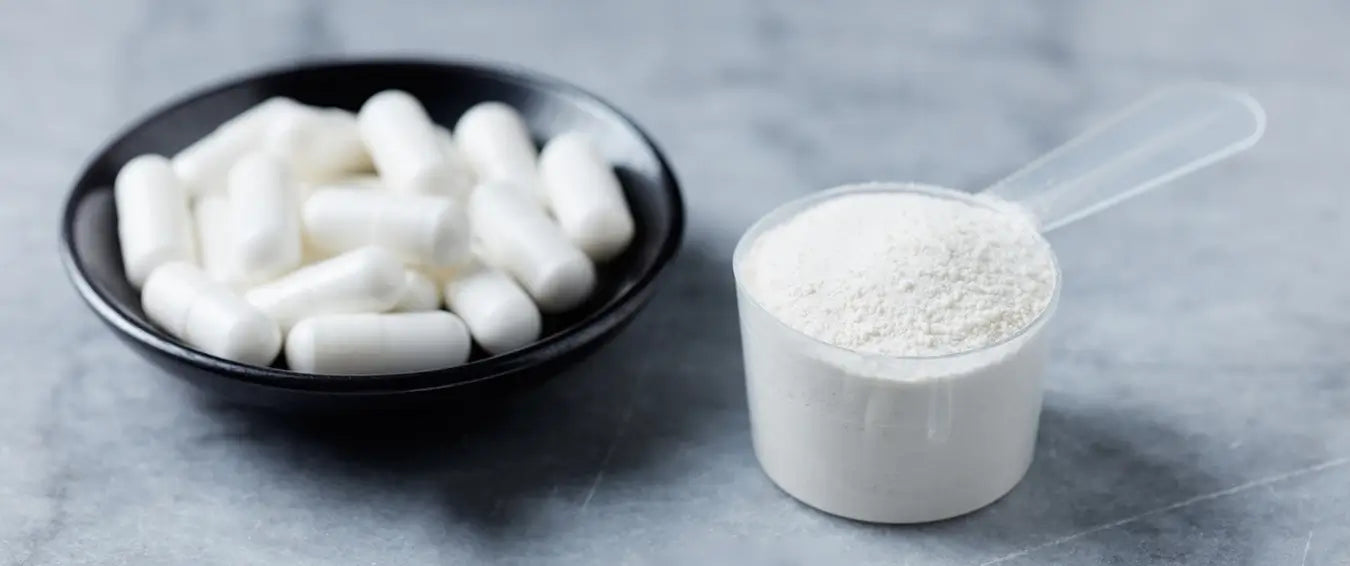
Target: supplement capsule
211,215
501,317
585,196
464,178
264,235
419,293
153,223
423,229
516,235
206,314
497,143
402,142
368,279
358,181
319,144
363,344
204,165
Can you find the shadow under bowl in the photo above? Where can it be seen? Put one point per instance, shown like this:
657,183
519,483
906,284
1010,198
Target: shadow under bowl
92,256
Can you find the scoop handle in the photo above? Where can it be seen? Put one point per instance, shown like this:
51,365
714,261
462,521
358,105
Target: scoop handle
1162,137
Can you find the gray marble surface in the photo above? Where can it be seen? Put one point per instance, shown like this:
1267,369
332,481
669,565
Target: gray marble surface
1198,405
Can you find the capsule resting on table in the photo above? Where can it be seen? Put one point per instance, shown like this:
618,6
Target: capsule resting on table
517,236
585,196
319,144
368,279
363,344
419,293
154,225
494,138
422,229
264,231
204,165
206,314
402,142
501,317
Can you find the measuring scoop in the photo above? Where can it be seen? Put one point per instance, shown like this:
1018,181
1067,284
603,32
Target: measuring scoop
895,439
1160,138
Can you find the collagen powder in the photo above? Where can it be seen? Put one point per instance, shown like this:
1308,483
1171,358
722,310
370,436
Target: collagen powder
894,349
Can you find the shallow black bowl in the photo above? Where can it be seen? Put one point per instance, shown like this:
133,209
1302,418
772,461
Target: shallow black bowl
93,260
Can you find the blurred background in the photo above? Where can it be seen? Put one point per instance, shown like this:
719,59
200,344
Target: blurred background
1198,409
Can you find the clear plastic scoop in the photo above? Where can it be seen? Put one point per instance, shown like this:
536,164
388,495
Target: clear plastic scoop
1167,135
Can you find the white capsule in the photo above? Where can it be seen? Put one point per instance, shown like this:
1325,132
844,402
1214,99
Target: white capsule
402,142
264,231
494,138
586,196
422,229
204,165
500,315
312,253
211,215
364,344
319,144
154,225
463,176
419,293
519,237
358,181
206,314
368,279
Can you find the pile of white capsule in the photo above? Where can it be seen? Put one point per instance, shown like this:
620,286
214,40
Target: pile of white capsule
346,233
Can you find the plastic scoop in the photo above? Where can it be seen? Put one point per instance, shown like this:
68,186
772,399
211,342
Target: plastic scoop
1164,136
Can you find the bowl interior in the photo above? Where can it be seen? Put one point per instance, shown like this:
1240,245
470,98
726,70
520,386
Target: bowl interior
446,90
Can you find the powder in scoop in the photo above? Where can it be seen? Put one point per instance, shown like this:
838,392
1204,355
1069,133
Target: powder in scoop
903,274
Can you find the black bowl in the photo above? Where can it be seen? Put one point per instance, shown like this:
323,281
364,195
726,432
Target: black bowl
92,257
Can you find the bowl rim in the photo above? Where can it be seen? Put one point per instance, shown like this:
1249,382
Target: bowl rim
579,333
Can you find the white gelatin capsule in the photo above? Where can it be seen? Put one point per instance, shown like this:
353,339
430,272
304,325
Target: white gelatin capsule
264,232
204,165
319,144
154,225
501,317
359,181
423,229
463,177
585,196
402,142
494,138
181,299
363,344
368,279
211,215
516,235
419,293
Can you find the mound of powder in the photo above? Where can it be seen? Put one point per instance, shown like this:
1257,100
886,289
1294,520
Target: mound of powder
902,274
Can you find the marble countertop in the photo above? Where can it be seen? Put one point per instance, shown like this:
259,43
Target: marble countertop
1198,404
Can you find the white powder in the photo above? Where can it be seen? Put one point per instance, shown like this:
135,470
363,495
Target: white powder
903,274
880,272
